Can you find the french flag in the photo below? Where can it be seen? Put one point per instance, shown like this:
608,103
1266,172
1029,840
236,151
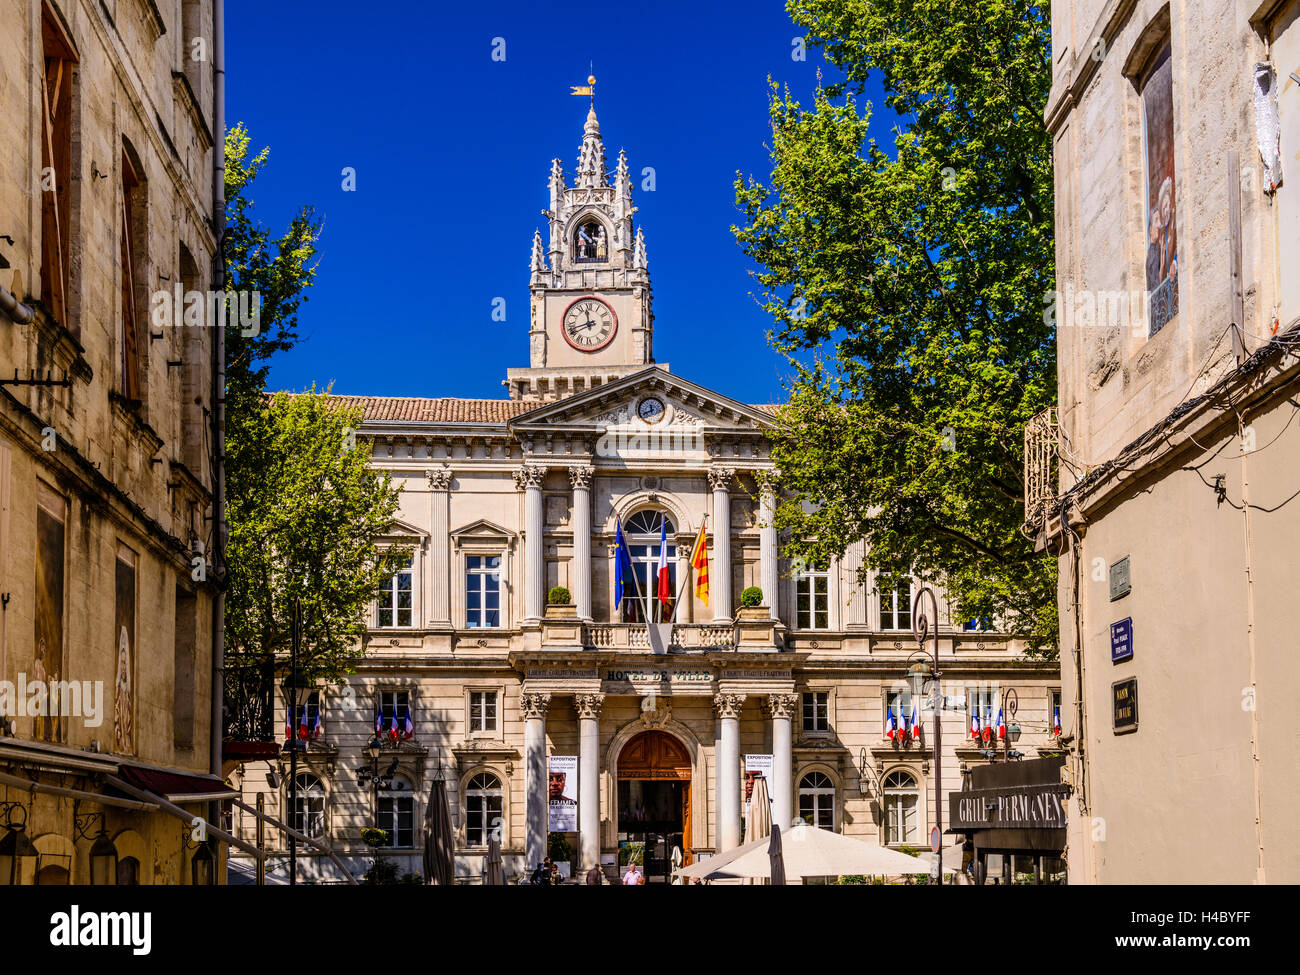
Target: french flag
889,723
303,730
379,723
1056,722
315,728
987,733
408,727
288,724
1002,728
916,722
664,585
975,722
394,731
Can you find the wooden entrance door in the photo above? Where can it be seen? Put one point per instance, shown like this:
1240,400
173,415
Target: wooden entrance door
658,756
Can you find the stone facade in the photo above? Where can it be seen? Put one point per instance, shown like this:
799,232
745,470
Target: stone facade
1177,447
105,482
591,440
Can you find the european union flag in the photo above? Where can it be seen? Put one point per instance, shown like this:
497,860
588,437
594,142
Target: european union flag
622,564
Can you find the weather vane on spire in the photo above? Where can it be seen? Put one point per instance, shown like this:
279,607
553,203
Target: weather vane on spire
589,88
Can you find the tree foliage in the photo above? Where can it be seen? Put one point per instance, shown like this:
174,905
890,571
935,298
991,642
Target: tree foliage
306,513
906,285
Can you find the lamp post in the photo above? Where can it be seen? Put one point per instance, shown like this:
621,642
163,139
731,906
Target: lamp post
1010,700
921,629
292,685
18,854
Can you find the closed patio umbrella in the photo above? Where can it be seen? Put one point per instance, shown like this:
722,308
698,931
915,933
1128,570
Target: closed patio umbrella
758,824
493,872
775,858
438,866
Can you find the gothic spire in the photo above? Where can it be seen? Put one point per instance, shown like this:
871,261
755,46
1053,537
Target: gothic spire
638,252
591,157
539,255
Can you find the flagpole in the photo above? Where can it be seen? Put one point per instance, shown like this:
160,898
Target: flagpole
688,575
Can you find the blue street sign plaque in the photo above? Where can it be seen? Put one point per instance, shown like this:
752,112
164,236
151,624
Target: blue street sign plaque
1121,640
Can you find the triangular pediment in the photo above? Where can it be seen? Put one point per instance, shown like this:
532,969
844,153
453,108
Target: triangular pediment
622,403
481,529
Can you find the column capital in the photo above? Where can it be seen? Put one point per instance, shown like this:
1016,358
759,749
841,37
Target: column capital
534,705
529,476
781,705
588,705
728,705
720,478
580,476
439,478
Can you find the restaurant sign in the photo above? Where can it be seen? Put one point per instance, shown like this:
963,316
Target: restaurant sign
1013,807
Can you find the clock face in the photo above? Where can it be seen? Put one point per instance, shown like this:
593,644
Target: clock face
650,409
589,324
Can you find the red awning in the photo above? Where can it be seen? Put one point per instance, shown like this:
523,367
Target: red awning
177,786
249,751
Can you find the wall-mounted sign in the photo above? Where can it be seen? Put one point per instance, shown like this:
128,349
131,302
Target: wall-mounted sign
1011,807
562,793
757,767
1120,585
1121,640
1124,697
658,676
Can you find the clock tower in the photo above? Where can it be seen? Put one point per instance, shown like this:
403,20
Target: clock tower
590,310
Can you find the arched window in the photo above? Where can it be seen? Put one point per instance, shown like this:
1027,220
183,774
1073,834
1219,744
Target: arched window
589,243
128,872
902,808
397,814
817,800
308,813
642,532
483,808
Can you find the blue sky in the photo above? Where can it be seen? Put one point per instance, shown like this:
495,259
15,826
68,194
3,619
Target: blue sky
452,151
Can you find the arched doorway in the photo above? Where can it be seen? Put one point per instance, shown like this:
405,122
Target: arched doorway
654,803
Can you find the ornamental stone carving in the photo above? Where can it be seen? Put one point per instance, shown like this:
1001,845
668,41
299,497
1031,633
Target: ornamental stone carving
580,477
588,705
720,478
439,478
782,705
534,706
728,705
655,714
529,476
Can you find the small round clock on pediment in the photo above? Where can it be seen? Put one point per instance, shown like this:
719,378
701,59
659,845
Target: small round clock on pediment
651,409
589,324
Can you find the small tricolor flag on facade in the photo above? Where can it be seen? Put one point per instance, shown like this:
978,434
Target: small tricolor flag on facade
916,722
408,726
663,580
1002,728
889,723
975,722
1056,722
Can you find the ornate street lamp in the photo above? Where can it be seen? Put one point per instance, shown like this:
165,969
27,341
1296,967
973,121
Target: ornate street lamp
202,866
921,629
18,855
103,861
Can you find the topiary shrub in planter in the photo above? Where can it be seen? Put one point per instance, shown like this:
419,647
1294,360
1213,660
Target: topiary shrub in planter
559,596
753,596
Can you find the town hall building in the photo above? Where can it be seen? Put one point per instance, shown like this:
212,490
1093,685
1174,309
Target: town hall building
542,715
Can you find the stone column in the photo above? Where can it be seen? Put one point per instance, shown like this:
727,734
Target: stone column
439,574
720,577
531,476
782,708
534,708
580,477
588,708
767,555
727,773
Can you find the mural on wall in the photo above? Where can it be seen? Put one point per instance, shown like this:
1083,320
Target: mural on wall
123,731
48,665
1161,215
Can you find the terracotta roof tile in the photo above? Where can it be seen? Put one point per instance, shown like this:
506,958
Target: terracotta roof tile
447,409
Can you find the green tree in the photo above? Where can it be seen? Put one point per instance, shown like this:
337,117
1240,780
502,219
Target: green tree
907,288
306,513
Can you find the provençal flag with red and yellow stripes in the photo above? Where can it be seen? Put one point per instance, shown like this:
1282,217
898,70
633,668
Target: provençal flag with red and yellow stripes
700,563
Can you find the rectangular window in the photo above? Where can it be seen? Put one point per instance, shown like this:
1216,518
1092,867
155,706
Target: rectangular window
184,645
394,703
397,816
482,710
51,520
394,599
56,164
1161,193
483,591
816,711
133,234
899,703
981,709
896,608
812,600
